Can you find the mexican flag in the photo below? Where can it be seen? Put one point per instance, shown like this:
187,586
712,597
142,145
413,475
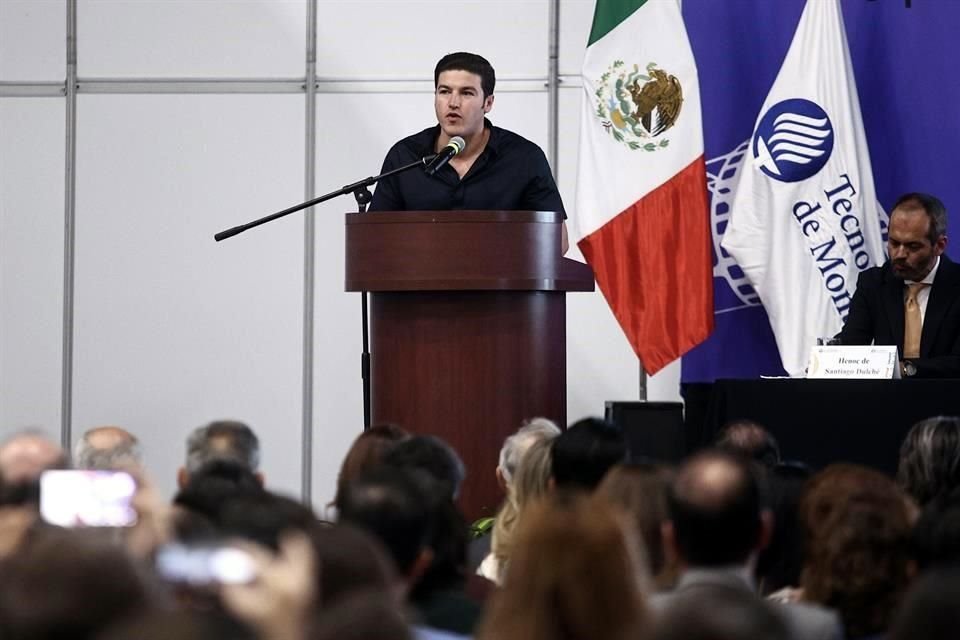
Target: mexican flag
642,217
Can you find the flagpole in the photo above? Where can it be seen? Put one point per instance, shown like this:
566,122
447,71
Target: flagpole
642,388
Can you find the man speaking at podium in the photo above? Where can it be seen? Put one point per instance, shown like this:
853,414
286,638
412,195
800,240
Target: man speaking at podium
912,301
495,170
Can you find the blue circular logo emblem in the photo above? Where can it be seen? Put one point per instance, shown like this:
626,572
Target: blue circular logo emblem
794,140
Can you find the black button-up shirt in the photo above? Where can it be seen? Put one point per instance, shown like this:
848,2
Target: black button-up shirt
511,174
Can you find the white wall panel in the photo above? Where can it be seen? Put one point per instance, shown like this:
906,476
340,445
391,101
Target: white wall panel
404,39
576,18
173,329
186,38
31,262
33,40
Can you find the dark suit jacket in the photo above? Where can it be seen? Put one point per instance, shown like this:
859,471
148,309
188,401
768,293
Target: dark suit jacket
876,316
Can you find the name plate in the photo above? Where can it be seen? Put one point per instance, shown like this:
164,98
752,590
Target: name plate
870,362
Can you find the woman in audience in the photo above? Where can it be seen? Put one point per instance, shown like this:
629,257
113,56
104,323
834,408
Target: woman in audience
930,459
366,453
858,561
575,574
641,491
529,482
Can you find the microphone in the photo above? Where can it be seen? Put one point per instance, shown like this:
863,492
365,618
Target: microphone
455,146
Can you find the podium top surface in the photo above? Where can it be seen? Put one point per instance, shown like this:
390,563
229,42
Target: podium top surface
459,250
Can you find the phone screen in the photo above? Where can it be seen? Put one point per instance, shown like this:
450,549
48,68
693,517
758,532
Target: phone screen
75,498
198,566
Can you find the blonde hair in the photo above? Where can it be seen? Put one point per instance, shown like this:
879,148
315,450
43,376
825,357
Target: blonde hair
530,482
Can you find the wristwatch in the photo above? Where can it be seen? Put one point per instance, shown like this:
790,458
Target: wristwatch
909,369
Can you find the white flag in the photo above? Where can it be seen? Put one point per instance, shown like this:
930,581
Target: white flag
805,219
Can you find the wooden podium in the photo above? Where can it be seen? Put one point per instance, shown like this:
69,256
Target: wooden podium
467,327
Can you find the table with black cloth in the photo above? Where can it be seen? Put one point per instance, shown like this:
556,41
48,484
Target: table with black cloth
824,421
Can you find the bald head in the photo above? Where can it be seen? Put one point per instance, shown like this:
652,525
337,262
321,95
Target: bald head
107,448
747,438
25,456
715,510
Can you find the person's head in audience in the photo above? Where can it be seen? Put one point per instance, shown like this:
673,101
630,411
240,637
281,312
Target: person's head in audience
392,505
210,487
224,440
515,446
719,614
527,478
430,455
576,573
263,517
367,452
68,584
751,440
780,563
23,457
351,561
930,611
930,459
584,453
936,534
107,448
858,557
165,624
716,518
363,615
641,491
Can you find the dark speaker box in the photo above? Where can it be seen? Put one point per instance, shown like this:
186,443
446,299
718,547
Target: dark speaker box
653,430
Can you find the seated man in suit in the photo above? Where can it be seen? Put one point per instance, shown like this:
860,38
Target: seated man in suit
913,300
496,170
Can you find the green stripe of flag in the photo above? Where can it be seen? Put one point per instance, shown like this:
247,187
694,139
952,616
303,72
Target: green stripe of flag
609,13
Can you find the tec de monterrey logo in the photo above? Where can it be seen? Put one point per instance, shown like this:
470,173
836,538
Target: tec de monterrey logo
793,141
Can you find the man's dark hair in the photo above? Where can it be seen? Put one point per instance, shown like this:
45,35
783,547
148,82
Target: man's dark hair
471,62
213,484
932,206
264,517
431,455
930,459
223,440
936,535
390,504
751,440
584,453
714,505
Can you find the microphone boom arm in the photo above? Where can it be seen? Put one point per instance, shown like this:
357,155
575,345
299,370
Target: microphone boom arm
355,188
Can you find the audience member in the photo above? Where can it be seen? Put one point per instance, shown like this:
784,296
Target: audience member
431,455
211,486
751,440
716,531
68,584
576,574
858,557
366,453
164,624
585,452
23,457
106,449
937,533
930,611
930,459
780,563
223,440
641,491
363,615
527,450
719,614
